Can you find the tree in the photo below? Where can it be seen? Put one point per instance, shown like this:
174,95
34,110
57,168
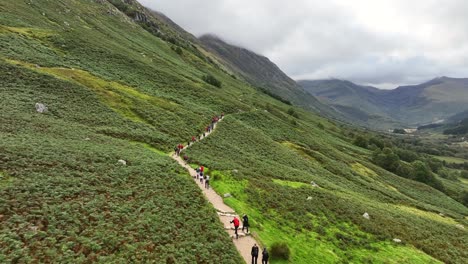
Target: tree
423,173
361,141
386,159
404,170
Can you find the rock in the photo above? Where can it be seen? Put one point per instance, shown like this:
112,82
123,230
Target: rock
227,195
235,171
366,216
396,240
34,228
441,214
41,108
460,226
309,198
37,66
66,23
313,184
87,139
123,162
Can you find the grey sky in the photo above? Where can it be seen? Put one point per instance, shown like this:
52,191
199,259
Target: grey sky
383,43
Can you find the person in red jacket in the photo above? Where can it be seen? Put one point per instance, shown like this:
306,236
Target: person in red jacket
236,223
194,139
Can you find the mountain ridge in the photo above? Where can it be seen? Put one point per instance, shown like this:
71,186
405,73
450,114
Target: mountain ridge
433,100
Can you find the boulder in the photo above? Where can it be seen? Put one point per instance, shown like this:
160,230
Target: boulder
123,162
87,139
460,226
313,184
366,216
396,240
41,108
309,198
227,195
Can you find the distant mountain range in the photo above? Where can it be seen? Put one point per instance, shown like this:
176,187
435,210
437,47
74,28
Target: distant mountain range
433,101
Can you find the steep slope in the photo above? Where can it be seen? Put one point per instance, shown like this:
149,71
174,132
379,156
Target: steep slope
261,72
435,100
117,90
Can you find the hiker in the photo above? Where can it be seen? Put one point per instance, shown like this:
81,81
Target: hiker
176,150
235,221
254,254
207,182
265,256
245,223
185,159
180,147
194,139
201,177
198,172
222,115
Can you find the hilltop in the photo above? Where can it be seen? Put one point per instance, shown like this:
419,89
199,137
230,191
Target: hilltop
91,179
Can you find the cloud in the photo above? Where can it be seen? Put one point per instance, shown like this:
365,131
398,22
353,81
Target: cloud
381,43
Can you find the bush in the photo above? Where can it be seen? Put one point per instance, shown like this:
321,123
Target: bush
464,174
210,79
280,250
293,113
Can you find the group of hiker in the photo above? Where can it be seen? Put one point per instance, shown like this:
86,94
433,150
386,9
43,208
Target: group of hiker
215,119
245,226
254,254
202,177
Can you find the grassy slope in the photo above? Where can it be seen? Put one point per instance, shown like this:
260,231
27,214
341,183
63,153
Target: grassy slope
64,198
276,161
104,78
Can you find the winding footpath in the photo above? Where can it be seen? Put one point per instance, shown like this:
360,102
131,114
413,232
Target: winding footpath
225,213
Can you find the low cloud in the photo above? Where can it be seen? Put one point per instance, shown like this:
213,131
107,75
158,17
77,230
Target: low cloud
381,43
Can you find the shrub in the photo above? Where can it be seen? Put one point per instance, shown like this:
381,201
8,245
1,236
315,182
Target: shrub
280,250
293,113
464,174
210,79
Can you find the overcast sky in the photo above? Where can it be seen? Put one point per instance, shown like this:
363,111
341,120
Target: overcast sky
384,43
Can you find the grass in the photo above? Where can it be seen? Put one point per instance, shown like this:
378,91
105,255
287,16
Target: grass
115,91
454,160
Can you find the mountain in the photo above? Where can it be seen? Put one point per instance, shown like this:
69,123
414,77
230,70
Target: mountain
412,105
91,179
261,72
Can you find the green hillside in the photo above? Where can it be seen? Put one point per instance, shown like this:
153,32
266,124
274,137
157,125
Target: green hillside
129,86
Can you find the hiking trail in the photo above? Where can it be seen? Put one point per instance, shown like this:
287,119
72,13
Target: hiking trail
225,213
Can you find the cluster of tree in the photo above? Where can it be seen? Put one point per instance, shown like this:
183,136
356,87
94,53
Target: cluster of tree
399,131
402,162
412,168
210,79
460,129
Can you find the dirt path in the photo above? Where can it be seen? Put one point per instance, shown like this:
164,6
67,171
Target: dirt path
225,213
